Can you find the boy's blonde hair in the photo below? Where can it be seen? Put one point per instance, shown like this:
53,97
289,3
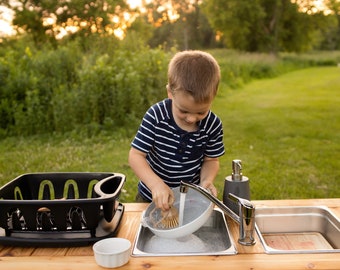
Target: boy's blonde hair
196,73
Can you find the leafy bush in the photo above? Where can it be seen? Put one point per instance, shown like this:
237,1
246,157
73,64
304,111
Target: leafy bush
70,88
238,68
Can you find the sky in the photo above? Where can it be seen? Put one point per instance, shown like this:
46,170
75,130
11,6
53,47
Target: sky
5,27
135,3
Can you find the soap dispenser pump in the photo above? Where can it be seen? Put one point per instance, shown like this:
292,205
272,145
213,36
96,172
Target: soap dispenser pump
236,184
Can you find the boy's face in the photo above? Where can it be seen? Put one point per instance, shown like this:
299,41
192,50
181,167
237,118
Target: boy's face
186,112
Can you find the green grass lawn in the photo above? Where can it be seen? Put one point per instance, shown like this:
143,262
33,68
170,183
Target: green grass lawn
285,130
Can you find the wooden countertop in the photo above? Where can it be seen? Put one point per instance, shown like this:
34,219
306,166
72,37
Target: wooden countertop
247,258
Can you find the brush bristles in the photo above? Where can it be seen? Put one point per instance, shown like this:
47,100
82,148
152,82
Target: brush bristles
170,218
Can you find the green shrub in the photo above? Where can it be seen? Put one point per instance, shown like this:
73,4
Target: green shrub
69,88
238,68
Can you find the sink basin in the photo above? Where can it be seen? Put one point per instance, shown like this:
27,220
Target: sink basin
213,238
305,229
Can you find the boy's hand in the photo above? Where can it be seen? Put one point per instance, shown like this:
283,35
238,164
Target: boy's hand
209,171
163,196
210,186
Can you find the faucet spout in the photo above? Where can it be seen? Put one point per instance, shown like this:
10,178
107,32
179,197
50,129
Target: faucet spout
245,219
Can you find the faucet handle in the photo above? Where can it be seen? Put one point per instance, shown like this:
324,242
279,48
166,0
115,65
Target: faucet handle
246,208
244,202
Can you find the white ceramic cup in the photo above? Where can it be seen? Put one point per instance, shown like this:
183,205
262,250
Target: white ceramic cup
112,252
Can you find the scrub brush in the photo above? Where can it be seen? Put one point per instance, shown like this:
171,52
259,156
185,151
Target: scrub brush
168,218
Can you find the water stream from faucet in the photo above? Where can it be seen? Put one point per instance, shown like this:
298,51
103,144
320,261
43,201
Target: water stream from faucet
181,208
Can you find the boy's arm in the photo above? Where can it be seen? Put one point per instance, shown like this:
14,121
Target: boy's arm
209,171
162,195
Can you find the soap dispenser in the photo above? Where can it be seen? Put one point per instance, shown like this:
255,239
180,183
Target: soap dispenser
236,184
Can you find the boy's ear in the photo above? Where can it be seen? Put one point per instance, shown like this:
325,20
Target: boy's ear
168,91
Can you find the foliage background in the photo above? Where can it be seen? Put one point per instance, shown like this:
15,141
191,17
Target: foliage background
73,104
64,89
252,25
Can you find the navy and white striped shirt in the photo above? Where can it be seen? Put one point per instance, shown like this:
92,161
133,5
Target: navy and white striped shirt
172,153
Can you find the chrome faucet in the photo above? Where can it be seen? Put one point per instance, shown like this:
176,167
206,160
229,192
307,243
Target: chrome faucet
245,219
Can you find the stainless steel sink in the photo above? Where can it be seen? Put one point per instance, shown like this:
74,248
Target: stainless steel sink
305,229
213,238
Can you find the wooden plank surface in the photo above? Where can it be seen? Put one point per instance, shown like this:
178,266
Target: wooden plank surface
239,262
297,241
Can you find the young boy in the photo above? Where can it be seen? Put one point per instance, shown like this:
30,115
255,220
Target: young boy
180,138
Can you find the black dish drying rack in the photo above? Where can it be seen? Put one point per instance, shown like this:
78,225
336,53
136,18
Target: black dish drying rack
58,209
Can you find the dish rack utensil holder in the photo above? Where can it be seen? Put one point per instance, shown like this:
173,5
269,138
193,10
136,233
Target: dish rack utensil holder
71,208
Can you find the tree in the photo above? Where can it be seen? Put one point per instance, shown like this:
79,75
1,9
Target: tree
44,19
180,24
238,21
260,25
334,7
296,29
